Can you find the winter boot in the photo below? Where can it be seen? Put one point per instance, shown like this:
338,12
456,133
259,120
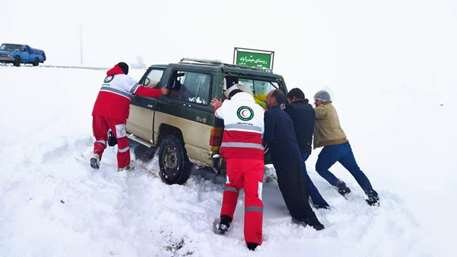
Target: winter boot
95,161
343,189
129,167
222,225
251,246
373,198
112,141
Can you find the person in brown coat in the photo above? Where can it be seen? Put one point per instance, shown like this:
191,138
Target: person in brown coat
336,148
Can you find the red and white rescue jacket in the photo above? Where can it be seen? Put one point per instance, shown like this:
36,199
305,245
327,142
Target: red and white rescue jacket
113,100
243,127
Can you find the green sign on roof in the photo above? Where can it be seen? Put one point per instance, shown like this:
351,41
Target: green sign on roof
254,58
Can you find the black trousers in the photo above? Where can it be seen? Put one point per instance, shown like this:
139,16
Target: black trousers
293,189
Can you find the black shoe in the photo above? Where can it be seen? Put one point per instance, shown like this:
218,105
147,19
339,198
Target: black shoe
95,161
321,206
222,225
373,198
343,189
251,246
318,226
299,222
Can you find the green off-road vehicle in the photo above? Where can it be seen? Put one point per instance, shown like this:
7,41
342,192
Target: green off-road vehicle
182,124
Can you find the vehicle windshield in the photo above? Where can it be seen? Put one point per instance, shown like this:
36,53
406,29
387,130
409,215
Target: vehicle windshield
9,47
259,88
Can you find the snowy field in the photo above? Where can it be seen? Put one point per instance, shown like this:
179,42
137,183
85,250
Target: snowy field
53,205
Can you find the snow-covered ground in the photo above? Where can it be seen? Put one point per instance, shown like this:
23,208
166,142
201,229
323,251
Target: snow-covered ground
53,204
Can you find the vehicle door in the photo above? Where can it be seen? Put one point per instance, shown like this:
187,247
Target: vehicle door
141,119
187,107
27,55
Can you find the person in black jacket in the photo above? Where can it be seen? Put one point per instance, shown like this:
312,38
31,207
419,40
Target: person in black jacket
303,117
279,138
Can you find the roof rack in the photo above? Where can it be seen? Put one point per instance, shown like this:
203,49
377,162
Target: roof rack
248,68
216,62
203,61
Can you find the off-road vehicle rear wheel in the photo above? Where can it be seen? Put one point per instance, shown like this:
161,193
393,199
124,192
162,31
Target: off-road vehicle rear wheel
174,164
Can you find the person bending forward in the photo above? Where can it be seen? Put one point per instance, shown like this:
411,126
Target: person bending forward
279,137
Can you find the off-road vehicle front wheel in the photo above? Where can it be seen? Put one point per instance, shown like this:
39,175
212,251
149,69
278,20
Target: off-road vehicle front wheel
174,164
17,61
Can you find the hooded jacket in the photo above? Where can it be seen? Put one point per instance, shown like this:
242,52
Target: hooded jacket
328,130
279,136
113,100
303,117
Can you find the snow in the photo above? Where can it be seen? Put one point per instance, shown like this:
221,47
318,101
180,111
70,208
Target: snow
53,204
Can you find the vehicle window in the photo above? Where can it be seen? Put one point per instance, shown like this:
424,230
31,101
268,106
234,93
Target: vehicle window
248,83
192,87
153,78
260,89
9,47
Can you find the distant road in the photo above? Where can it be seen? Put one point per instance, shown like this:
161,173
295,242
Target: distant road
73,67
65,67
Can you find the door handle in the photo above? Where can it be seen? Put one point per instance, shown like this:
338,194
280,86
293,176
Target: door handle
150,105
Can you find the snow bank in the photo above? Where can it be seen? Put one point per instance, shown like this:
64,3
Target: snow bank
53,204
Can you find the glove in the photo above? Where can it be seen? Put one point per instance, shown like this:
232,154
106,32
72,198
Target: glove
112,141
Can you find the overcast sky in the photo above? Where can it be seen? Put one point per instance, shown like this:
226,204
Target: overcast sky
320,42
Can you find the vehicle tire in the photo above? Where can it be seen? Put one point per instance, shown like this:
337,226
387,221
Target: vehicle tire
36,62
17,61
174,163
144,153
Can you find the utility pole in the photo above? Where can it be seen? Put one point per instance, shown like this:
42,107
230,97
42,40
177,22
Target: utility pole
81,52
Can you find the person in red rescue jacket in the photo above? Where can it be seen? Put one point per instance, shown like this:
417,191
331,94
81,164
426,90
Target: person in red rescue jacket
243,152
111,110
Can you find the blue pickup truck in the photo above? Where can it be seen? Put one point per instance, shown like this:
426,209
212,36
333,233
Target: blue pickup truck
17,54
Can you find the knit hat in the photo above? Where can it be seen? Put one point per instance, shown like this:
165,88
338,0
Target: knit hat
323,96
124,67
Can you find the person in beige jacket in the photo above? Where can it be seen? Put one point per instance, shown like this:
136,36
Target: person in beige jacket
336,148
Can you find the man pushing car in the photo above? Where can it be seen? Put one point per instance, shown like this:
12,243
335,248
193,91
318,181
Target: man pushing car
111,110
244,154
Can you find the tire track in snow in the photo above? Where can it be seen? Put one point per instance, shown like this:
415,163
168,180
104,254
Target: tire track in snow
135,214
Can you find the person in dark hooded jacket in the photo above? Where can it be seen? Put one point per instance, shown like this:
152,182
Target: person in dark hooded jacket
279,138
303,117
